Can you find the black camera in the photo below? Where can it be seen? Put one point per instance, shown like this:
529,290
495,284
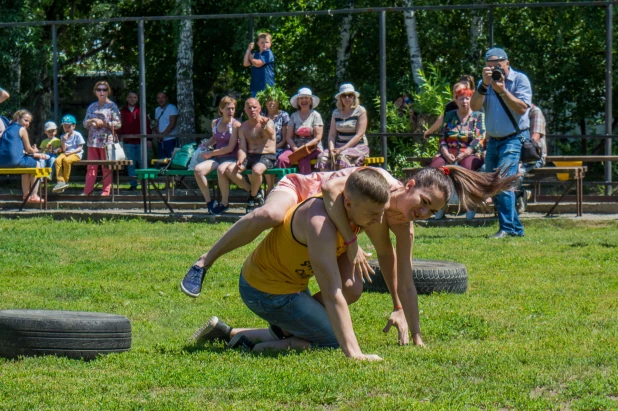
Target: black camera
497,73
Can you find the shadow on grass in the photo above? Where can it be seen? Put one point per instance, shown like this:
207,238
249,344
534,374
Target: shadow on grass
220,348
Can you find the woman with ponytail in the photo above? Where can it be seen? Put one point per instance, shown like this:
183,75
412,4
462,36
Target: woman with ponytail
426,192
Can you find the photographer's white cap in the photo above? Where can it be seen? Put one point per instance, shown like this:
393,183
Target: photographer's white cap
50,125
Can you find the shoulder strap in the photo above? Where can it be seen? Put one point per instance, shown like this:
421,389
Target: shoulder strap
162,112
508,113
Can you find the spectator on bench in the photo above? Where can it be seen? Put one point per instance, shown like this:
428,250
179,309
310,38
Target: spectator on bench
305,131
256,151
51,146
464,81
4,95
346,138
102,118
130,119
224,156
16,152
73,148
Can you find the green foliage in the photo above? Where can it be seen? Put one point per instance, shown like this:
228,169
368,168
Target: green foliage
535,331
400,148
273,93
434,93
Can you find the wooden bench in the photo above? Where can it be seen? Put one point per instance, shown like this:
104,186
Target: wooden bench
576,177
114,166
149,175
38,173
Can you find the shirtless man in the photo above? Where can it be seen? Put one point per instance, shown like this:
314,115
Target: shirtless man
256,150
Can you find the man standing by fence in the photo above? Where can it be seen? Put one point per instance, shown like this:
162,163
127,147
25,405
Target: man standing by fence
506,96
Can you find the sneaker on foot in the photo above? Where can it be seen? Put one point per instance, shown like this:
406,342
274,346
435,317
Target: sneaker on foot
210,205
241,341
259,198
276,332
192,283
250,204
220,209
470,214
60,187
439,215
213,329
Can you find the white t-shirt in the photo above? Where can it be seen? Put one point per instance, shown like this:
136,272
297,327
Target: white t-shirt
164,119
74,142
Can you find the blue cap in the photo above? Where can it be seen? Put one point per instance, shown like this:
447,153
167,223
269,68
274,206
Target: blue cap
69,119
496,52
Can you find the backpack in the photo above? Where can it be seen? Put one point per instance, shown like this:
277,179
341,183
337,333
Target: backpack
5,121
182,157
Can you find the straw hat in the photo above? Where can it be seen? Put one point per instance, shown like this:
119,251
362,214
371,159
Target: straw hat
305,91
346,88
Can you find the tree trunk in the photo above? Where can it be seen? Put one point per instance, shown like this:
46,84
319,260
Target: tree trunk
346,36
184,72
414,47
16,83
476,30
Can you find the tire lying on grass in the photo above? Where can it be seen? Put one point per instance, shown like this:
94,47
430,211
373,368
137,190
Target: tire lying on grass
429,276
72,334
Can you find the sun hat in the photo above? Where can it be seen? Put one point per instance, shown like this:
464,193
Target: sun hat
305,91
496,52
346,88
50,125
68,119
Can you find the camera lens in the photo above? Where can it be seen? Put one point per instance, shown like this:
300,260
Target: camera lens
496,75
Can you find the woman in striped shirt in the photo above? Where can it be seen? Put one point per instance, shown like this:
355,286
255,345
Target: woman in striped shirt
346,140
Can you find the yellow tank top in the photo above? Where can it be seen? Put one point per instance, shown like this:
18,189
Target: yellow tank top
280,264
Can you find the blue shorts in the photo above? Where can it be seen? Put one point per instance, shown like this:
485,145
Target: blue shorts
299,314
28,162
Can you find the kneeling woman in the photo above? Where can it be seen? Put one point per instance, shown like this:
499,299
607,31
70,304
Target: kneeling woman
421,196
222,158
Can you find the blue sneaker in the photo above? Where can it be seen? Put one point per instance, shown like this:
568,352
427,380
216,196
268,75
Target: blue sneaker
220,209
192,283
211,205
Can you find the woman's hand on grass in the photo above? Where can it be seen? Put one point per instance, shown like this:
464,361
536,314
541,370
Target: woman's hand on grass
368,357
398,319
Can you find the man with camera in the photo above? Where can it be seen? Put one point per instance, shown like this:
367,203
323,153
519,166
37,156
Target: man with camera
505,95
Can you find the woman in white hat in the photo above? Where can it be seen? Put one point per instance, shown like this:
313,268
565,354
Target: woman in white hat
304,131
346,140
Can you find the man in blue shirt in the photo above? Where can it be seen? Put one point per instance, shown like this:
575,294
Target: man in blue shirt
505,132
262,64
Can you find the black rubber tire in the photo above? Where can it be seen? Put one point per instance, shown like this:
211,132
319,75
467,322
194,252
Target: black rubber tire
71,334
430,276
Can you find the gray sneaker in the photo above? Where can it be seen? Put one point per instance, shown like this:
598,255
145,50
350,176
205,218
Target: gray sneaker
213,329
60,187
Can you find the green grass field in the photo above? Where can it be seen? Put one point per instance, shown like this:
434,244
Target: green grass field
537,329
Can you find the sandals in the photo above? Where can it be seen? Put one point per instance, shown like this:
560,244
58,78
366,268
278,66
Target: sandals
35,199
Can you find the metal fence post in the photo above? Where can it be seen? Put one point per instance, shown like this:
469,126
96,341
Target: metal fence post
609,14
55,79
383,84
142,95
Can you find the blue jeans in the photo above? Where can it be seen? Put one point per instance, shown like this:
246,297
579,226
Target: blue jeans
51,163
166,148
299,313
133,153
505,154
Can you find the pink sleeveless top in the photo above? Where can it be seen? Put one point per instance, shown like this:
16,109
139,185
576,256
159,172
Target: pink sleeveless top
223,139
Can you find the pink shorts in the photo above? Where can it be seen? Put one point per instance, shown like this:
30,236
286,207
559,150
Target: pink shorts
300,186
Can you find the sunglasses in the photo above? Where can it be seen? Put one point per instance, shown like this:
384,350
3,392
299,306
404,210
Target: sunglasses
102,89
348,96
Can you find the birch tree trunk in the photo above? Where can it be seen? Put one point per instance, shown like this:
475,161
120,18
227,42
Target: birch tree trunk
15,90
416,61
184,72
476,30
346,37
